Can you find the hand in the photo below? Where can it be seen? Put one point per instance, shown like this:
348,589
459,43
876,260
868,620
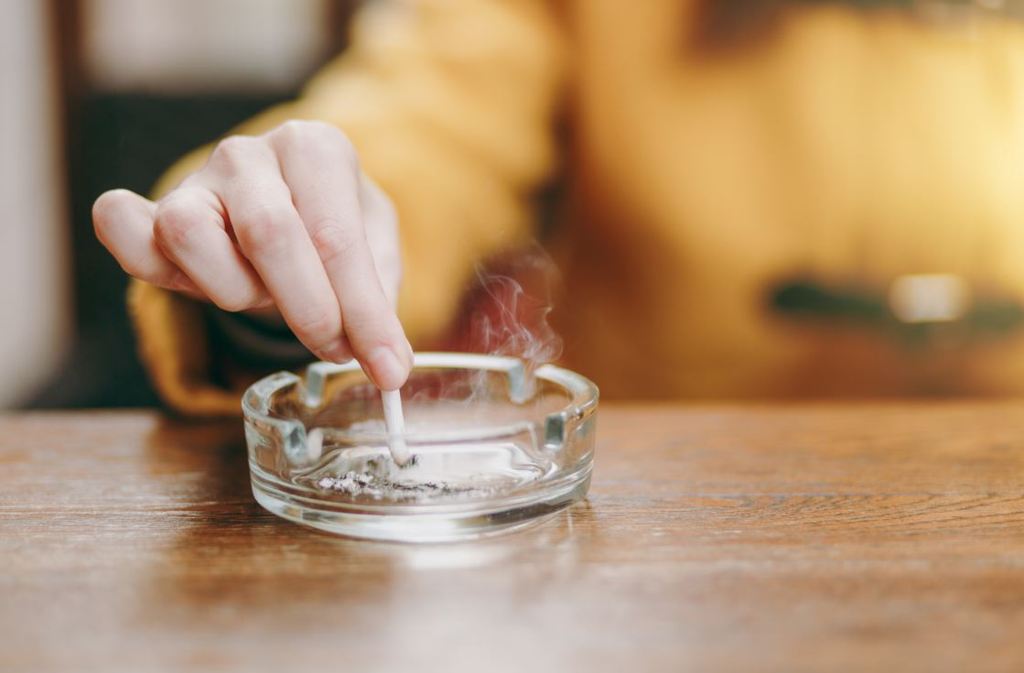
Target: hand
286,219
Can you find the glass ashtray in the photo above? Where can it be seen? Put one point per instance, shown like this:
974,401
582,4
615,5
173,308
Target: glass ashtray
494,447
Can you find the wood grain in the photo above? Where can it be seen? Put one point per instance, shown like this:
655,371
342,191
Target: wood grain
777,538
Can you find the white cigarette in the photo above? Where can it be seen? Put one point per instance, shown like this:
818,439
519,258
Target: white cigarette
314,444
395,421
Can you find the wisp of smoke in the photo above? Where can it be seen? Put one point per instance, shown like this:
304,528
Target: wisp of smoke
513,321
508,311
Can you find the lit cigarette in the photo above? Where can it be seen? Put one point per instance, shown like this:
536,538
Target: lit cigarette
395,421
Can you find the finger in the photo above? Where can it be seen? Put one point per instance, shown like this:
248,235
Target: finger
270,234
381,223
123,221
321,171
189,228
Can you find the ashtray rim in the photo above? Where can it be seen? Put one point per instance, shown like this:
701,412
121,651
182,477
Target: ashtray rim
584,396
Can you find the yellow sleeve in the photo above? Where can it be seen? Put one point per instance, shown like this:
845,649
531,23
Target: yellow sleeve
450,105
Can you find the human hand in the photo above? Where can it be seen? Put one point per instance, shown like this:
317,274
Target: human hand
286,220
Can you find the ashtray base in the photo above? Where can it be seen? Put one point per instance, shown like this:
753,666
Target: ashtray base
453,524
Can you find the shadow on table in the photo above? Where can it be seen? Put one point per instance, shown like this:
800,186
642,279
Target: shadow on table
229,555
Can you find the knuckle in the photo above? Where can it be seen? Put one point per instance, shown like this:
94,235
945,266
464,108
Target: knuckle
304,129
263,230
317,136
176,223
334,241
233,153
296,129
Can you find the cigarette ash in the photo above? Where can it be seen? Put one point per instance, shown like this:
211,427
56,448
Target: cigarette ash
368,485
380,482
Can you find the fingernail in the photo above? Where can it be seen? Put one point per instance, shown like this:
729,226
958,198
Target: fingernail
386,369
338,352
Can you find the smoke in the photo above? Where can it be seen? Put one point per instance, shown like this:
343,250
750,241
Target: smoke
506,312
512,316
508,315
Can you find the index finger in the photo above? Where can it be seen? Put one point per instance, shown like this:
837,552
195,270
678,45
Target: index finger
323,175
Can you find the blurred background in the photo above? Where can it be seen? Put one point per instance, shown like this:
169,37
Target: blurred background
98,94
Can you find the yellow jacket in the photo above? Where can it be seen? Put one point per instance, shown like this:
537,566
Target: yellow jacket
847,146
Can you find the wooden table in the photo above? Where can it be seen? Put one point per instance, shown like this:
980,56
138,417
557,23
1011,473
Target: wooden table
819,537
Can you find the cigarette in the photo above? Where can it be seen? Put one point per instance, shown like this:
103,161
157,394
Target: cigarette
314,444
395,422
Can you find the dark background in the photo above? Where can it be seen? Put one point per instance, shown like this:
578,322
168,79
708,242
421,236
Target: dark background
118,139
122,141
